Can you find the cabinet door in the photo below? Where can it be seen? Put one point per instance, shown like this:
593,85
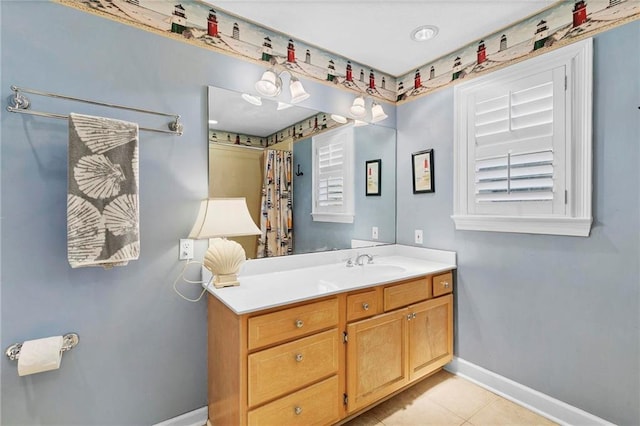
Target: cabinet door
430,335
376,358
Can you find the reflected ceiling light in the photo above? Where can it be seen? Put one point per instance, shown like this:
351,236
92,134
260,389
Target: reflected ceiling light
213,121
283,105
270,84
424,33
253,100
358,109
298,94
377,113
338,118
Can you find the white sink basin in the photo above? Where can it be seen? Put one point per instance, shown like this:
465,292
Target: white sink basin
344,276
376,268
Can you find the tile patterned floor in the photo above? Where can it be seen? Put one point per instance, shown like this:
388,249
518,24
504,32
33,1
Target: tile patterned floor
444,399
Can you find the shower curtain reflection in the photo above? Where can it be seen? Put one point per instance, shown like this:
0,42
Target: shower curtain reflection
276,215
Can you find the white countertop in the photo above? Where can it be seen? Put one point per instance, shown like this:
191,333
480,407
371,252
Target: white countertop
262,287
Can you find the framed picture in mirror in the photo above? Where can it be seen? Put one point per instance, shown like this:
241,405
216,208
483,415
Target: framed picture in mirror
373,177
422,163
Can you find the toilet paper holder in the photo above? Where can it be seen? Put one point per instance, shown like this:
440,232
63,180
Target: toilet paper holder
69,341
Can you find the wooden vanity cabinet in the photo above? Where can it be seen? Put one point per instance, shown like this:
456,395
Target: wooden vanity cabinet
278,366
318,362
387,352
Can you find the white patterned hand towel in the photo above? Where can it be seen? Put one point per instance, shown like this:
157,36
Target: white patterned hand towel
102,196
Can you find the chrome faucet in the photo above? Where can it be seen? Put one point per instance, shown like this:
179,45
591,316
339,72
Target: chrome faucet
359,262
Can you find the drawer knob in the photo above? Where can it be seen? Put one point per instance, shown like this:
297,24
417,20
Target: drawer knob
299,323
298,410
445,284
299,357
365,306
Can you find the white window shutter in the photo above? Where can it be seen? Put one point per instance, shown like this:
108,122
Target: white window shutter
332,181
516,142
522,146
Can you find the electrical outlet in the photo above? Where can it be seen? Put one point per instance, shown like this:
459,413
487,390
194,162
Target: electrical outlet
186,249
374,233
418,236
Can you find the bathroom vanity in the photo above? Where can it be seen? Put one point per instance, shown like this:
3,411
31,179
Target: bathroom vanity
317,345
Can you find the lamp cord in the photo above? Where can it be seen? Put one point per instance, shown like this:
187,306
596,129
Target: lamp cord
181,275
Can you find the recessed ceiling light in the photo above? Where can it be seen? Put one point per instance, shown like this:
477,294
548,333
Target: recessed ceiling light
423,33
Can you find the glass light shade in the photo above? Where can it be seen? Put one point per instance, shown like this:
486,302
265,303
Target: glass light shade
358,109
253,100
223,217
377,113
282,105
270,84
338,118
298,94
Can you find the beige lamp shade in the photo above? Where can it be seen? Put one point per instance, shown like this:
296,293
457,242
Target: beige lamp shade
224,217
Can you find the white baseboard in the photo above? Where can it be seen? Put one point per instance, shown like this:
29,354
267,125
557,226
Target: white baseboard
551,408
193,418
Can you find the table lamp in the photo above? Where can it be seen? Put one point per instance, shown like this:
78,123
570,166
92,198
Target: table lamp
217,219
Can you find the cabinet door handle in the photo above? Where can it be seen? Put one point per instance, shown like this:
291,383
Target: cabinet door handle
299,323
365,306
413,315
299,357
445,284
408,317
298,410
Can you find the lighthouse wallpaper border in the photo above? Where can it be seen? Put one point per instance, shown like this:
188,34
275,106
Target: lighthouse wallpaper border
206,25
557,26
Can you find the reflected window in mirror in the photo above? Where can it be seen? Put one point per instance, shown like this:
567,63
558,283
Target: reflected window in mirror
253,148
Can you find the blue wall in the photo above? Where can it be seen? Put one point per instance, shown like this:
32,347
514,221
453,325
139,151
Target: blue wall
142,352
371,143
558,314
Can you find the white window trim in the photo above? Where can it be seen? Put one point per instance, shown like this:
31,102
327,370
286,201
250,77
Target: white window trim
578,218
347,215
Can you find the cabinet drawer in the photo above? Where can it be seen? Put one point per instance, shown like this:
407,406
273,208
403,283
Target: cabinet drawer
316,405
442,284
404,294
279,370
291,323
362,305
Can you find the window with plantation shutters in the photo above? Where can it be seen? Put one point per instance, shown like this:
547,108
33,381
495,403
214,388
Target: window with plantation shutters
523,146
333,176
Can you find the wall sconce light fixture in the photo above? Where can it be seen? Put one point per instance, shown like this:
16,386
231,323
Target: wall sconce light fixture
270,84
357,108
377,113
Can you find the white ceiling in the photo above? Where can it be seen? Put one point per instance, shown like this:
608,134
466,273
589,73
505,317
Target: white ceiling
376,33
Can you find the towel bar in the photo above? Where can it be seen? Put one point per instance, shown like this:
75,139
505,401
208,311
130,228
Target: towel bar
21,105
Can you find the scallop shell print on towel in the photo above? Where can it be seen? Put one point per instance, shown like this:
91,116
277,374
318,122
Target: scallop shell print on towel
103,134
98,177
85,230
102,208
121,215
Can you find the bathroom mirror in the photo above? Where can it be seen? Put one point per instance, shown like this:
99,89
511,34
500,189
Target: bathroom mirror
242,129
